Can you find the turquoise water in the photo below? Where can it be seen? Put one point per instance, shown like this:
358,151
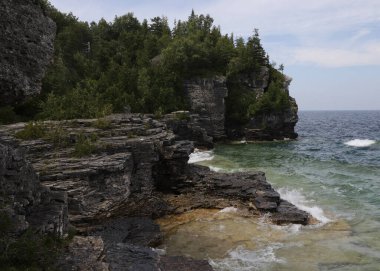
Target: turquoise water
332,171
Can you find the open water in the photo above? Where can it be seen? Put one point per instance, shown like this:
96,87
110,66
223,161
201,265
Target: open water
332,171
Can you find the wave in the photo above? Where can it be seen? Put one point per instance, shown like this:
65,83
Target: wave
360,143
299,200
199,156
241,259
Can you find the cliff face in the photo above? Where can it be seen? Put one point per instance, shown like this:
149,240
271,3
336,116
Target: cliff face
26,48
25,201
273,125
207,99
136,168
206,96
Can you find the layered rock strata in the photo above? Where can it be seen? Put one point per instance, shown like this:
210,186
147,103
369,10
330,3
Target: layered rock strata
136,168
24,201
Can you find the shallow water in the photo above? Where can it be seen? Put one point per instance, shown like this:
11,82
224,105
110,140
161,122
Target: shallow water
332,171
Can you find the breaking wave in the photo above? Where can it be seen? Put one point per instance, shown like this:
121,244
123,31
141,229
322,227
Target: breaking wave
198,156
360,143
299,200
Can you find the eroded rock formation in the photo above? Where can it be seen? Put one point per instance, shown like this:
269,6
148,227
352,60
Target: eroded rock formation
206,96
25,201
26,48
136,168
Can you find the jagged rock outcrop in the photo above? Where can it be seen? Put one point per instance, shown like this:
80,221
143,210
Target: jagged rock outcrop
135,163
250,191
26,48
25,201
136,168
120,166
186,126
269,125
206,97
128,242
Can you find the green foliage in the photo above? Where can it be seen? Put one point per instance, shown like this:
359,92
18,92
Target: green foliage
84,145
275,99
102,124
81,102
33,130
182,115
58,136
30,251
106,67
7,115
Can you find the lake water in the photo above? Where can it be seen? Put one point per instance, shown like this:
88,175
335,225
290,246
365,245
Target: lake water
332,171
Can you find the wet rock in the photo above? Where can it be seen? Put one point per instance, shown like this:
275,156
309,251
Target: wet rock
127,257
26,49
84,254
206,189
141,231
287,213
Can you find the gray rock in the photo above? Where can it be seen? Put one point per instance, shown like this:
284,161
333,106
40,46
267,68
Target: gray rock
26,49
187,126
84,254
266,126
25,201
206,97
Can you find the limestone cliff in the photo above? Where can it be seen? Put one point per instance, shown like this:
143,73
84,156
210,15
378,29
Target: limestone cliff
269,125
206,96
26,48
134,166
25,201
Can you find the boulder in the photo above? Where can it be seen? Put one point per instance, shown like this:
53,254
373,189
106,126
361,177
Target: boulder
26,49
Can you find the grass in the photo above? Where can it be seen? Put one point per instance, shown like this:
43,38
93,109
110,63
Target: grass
84,145
33,130
102,124
182,116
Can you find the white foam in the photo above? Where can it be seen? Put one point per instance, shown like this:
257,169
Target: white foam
360,143
215,169
295,197
229,210
241,259
198,156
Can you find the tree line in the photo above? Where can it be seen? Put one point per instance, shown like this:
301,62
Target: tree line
105,67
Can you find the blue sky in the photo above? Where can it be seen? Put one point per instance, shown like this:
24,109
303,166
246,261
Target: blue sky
331,48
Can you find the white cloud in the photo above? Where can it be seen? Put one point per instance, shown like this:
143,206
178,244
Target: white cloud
336,58
327,32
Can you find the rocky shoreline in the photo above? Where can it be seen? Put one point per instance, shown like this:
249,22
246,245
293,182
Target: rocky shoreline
137,172
108,179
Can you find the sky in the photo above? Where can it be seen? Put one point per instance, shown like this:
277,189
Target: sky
331,48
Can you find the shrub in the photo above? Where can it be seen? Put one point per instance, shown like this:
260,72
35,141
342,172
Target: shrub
102,124
58,136
7,115
33,130
84,145
182,115
30,251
